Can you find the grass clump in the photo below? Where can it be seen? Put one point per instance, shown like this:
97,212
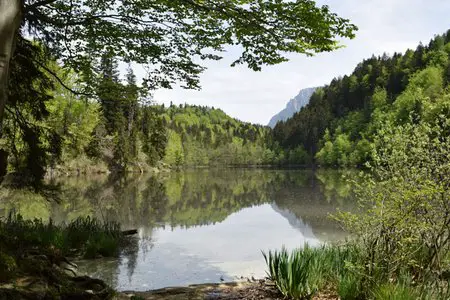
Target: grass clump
86,237
301,273
343,270
395,291
298,274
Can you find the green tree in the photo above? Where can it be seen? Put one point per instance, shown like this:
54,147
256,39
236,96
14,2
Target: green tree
72,117
29,143
110,93
168,35
154,135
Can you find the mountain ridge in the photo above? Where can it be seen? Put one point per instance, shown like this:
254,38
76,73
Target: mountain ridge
294,105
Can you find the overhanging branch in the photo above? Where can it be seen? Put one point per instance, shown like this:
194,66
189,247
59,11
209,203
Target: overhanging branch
37,4
60,81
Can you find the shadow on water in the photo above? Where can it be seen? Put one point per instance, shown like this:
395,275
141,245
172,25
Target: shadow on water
197,225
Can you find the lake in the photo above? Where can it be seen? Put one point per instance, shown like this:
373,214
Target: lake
202,225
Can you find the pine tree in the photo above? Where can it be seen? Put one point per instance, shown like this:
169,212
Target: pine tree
131,110
109,93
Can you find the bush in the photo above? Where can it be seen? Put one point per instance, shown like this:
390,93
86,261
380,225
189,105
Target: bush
403,225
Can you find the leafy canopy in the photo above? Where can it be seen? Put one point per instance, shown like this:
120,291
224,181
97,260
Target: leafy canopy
172,37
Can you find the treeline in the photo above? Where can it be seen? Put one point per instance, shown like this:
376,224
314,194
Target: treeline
204,136
343,119
207,136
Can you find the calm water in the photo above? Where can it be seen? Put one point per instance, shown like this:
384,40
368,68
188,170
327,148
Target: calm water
201,226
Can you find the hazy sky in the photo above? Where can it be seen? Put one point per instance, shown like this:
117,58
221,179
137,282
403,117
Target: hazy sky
384,26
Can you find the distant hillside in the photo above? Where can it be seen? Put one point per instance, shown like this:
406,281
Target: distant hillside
199,135
293,106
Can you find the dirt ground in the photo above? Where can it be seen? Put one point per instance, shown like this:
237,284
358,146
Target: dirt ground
253,290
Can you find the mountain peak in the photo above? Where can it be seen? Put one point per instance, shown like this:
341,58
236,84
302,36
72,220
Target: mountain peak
293,106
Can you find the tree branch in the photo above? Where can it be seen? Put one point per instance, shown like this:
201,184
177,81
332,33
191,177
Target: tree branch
62,82
64,85
37,4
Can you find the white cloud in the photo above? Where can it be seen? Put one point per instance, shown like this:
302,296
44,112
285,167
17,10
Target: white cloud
385,26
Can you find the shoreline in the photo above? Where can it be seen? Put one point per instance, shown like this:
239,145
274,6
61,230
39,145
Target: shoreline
234,290
255,289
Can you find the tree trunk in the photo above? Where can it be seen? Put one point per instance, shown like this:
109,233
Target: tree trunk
10,19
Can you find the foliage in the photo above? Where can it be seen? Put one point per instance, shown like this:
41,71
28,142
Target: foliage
296,275
339,125
401,228
38,251
202,136
170,36
28,144
74,133
72,118
349,286
403,222
395,291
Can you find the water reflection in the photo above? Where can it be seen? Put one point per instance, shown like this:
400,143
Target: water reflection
200,225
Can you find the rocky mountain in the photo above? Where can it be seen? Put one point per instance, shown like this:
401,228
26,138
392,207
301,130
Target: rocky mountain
293,106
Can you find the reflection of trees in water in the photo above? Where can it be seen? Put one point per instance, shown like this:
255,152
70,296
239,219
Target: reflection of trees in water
337,184
108,268
312,201
295,221
194,198
197,197
141,244
130,253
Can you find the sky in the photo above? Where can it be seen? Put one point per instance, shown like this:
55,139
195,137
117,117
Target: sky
384,26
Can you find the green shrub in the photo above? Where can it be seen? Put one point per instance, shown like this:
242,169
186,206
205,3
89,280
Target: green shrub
404,213
7,263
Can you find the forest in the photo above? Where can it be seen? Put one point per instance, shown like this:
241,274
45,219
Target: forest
62,98
344,119
202,136
60,131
